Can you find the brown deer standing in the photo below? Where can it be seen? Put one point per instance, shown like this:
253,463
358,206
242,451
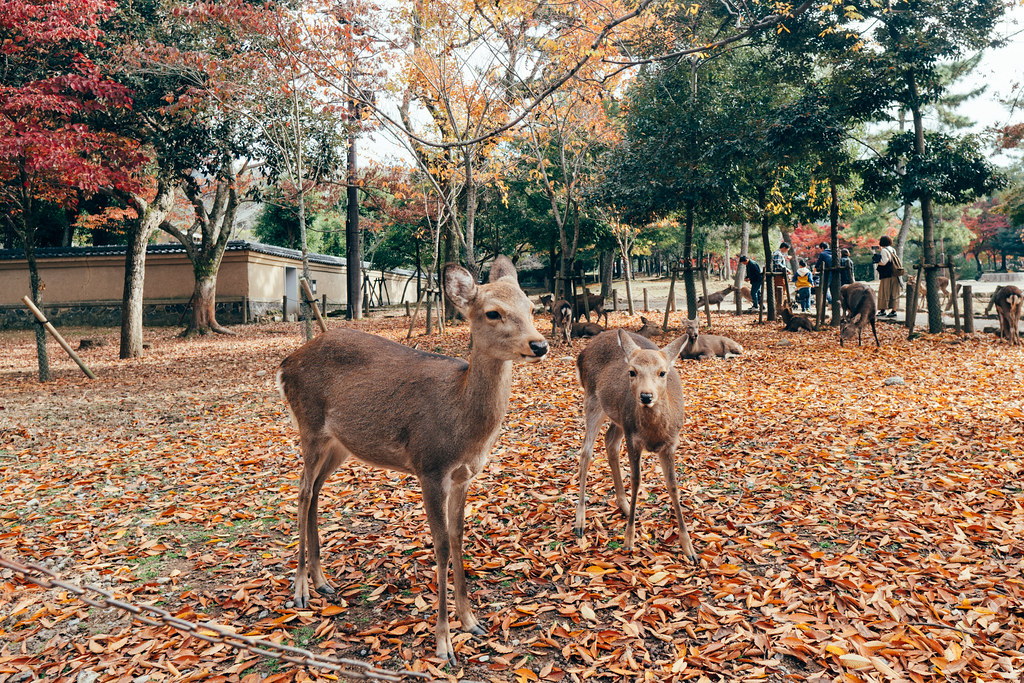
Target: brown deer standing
717,298
356,394
561,320
594,304
629,381
858,302
1007,300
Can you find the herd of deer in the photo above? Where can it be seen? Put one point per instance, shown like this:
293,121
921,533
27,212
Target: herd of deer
441,419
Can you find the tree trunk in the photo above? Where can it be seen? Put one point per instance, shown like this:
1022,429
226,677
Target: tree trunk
469,248
353,259
928,255
688,282
768,287
741,269
627,272
35,286
151,216
833,217
607,260
307,312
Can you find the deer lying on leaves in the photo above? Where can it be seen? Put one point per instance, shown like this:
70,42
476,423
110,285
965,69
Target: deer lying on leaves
1007,300
357,394
858,303
717,298
795,322
703,346
586,330
649,329
630,382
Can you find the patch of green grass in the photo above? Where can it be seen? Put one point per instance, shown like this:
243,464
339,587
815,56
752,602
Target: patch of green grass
826,545
614,545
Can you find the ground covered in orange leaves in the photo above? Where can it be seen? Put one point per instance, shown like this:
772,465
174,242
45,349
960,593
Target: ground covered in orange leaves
847,529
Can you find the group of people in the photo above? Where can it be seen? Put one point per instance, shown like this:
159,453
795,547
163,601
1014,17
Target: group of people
804,277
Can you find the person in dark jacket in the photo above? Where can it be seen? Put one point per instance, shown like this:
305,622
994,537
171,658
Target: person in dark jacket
846,267
821,265
755,276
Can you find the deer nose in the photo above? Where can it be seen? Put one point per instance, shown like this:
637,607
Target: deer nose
646,398
539,348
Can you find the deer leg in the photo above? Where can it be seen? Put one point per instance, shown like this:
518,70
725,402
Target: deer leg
435,502
337,457
612,448
456,527
668,469
634,474
875,332
592,417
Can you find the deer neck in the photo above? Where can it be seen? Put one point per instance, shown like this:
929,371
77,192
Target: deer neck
488,385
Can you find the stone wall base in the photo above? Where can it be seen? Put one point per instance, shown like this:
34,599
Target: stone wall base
154,314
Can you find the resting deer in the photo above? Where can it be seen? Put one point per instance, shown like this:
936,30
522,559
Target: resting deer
586,330
717,298
794,322
356,394
1007,300
649,330
561,320
629,381
858,302
703,346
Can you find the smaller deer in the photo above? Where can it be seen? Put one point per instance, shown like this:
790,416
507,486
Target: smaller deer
629,381
858,302
561,320
593,303
717,298
745,293
942,282
703,346
794,322
586,330
649,330
1007,300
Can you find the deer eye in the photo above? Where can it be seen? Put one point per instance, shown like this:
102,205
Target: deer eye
632,373
493,315
661,374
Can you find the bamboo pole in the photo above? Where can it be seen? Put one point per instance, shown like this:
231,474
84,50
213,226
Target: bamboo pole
48,326
952,294
312,303
704,288
671,299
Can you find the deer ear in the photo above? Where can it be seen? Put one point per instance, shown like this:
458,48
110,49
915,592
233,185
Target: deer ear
673,348
626,343
502,269
459,286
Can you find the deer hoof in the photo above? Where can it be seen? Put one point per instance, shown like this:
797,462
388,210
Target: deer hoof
578,531
478,630
326,591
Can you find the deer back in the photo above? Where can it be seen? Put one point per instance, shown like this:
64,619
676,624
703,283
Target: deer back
409,410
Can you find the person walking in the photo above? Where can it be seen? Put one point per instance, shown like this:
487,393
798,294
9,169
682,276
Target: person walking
781,271
804,280
889,268
845,267
822,266
755,276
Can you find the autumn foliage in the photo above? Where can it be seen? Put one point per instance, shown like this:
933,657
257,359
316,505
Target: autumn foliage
847,529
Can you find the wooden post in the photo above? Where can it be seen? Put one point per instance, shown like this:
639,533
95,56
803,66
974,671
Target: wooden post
819,317
284,308
48,326
646,305
312,303
323,308
407,311
952,294
704,288
912,304
615,301
670,304
968,309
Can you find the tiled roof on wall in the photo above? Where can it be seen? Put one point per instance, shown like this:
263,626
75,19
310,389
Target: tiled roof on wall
120,249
